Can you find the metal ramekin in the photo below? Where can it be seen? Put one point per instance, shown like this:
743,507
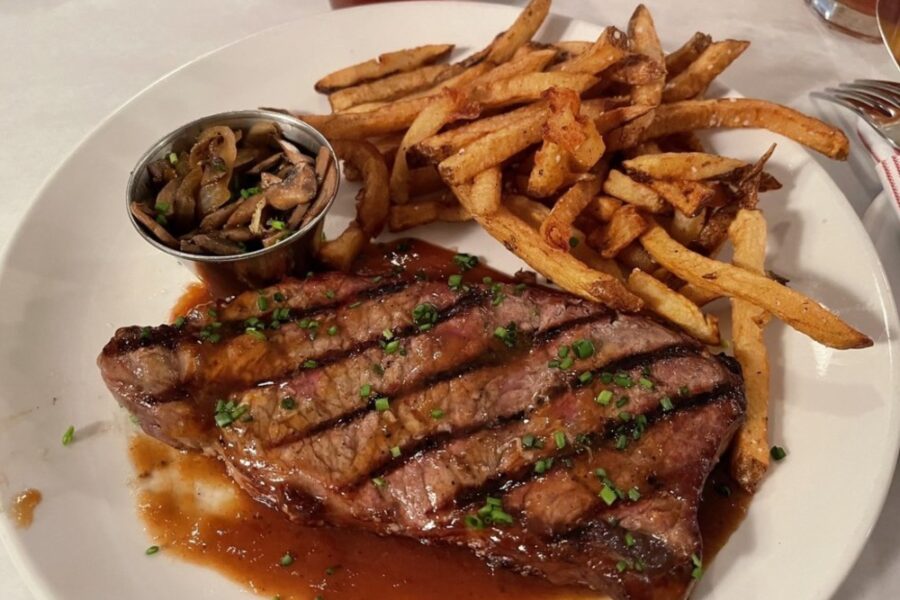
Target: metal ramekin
226,275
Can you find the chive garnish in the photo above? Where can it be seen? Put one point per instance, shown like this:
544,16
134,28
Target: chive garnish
465,262
378,482
395,451
697,572
583,348
288,403
573,242
392,346
623,380
560,438
634,494
425,316
256,333
365,390
151,550
68,435
608,495
310,364
437,414
382,404
778,453
629,539
604,397
286,560
543,465
173,158
262,303
455,282
329,294
566,363
666,404
646,383
179,323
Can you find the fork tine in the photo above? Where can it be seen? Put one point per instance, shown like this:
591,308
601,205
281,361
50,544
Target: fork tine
866,101
845,103
889,97
891,87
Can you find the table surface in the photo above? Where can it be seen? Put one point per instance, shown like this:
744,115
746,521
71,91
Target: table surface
71,63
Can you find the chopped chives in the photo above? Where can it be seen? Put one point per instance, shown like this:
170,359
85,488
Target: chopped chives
392,346
646,383
329,294
365,390
310,364
622,401
566,363
625,416
585,377
529,441
629,539
621,566
288,403
623,380
173,158
621,441
778,453
262,303
604,397
145,333
395,451
474,522
378,482
666,403
382,404
437,414
151,550
583,348
256,333
455,282
68,436
563,351
606,377
278,297
634,494
573,242
608,495
286,560
425,316
179,323
697,572
543,465
465,262
560,438
333,330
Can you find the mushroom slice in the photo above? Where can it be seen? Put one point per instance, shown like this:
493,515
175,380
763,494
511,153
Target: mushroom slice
329,185
244,212
161,171
266,164
185,202
261,134
267,180
216,220
219,159
299,187
155,228
216,245
246,156
323,159
191,247
239,234
293,154
274,238
165,199
256,221
296,217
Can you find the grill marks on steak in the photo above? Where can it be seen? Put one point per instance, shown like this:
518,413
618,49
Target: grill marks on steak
461,404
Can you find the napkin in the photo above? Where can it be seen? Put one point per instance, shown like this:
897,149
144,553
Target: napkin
887,161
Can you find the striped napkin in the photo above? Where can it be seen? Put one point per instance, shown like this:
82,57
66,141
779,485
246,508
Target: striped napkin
887,161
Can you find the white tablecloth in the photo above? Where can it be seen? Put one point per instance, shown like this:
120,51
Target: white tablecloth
67,64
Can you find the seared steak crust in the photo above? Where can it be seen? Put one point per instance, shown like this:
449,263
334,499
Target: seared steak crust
546,433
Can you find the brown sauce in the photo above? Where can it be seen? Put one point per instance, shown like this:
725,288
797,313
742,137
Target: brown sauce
195,511
194,295
23,507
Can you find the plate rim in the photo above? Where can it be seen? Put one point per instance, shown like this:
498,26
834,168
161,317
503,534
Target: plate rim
27,568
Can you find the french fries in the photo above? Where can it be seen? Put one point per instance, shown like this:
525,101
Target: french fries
750,457
386,64
690,115
674,307
557,227
694,80
625,188
582,159
389,88
800,312
693,166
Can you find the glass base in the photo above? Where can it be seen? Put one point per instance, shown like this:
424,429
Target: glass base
843,17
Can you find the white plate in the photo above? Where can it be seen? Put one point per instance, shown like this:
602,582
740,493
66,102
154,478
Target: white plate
64,289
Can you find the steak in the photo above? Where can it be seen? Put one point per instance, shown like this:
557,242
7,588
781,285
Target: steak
547,434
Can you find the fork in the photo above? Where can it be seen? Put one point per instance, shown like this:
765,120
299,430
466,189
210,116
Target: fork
877,102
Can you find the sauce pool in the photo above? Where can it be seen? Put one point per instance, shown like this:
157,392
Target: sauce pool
194,510
23,507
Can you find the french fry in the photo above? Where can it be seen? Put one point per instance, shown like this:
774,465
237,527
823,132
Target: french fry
386,64
529,62
450,106
686,196
603,207
674,307
564,269
609,49
690,115
694,80
636,69
609,120
693,166
625,226
645,41
534,214
484,194
557,227
792,307
634,256
443,145
572,48
415,214
425,180
389,88
522,30
388,118
491,149
750,455
574,132
340,252
678,61
372,200
623,187
529,87
698,295
550,171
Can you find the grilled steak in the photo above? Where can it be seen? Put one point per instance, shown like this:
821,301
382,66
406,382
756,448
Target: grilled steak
548,434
